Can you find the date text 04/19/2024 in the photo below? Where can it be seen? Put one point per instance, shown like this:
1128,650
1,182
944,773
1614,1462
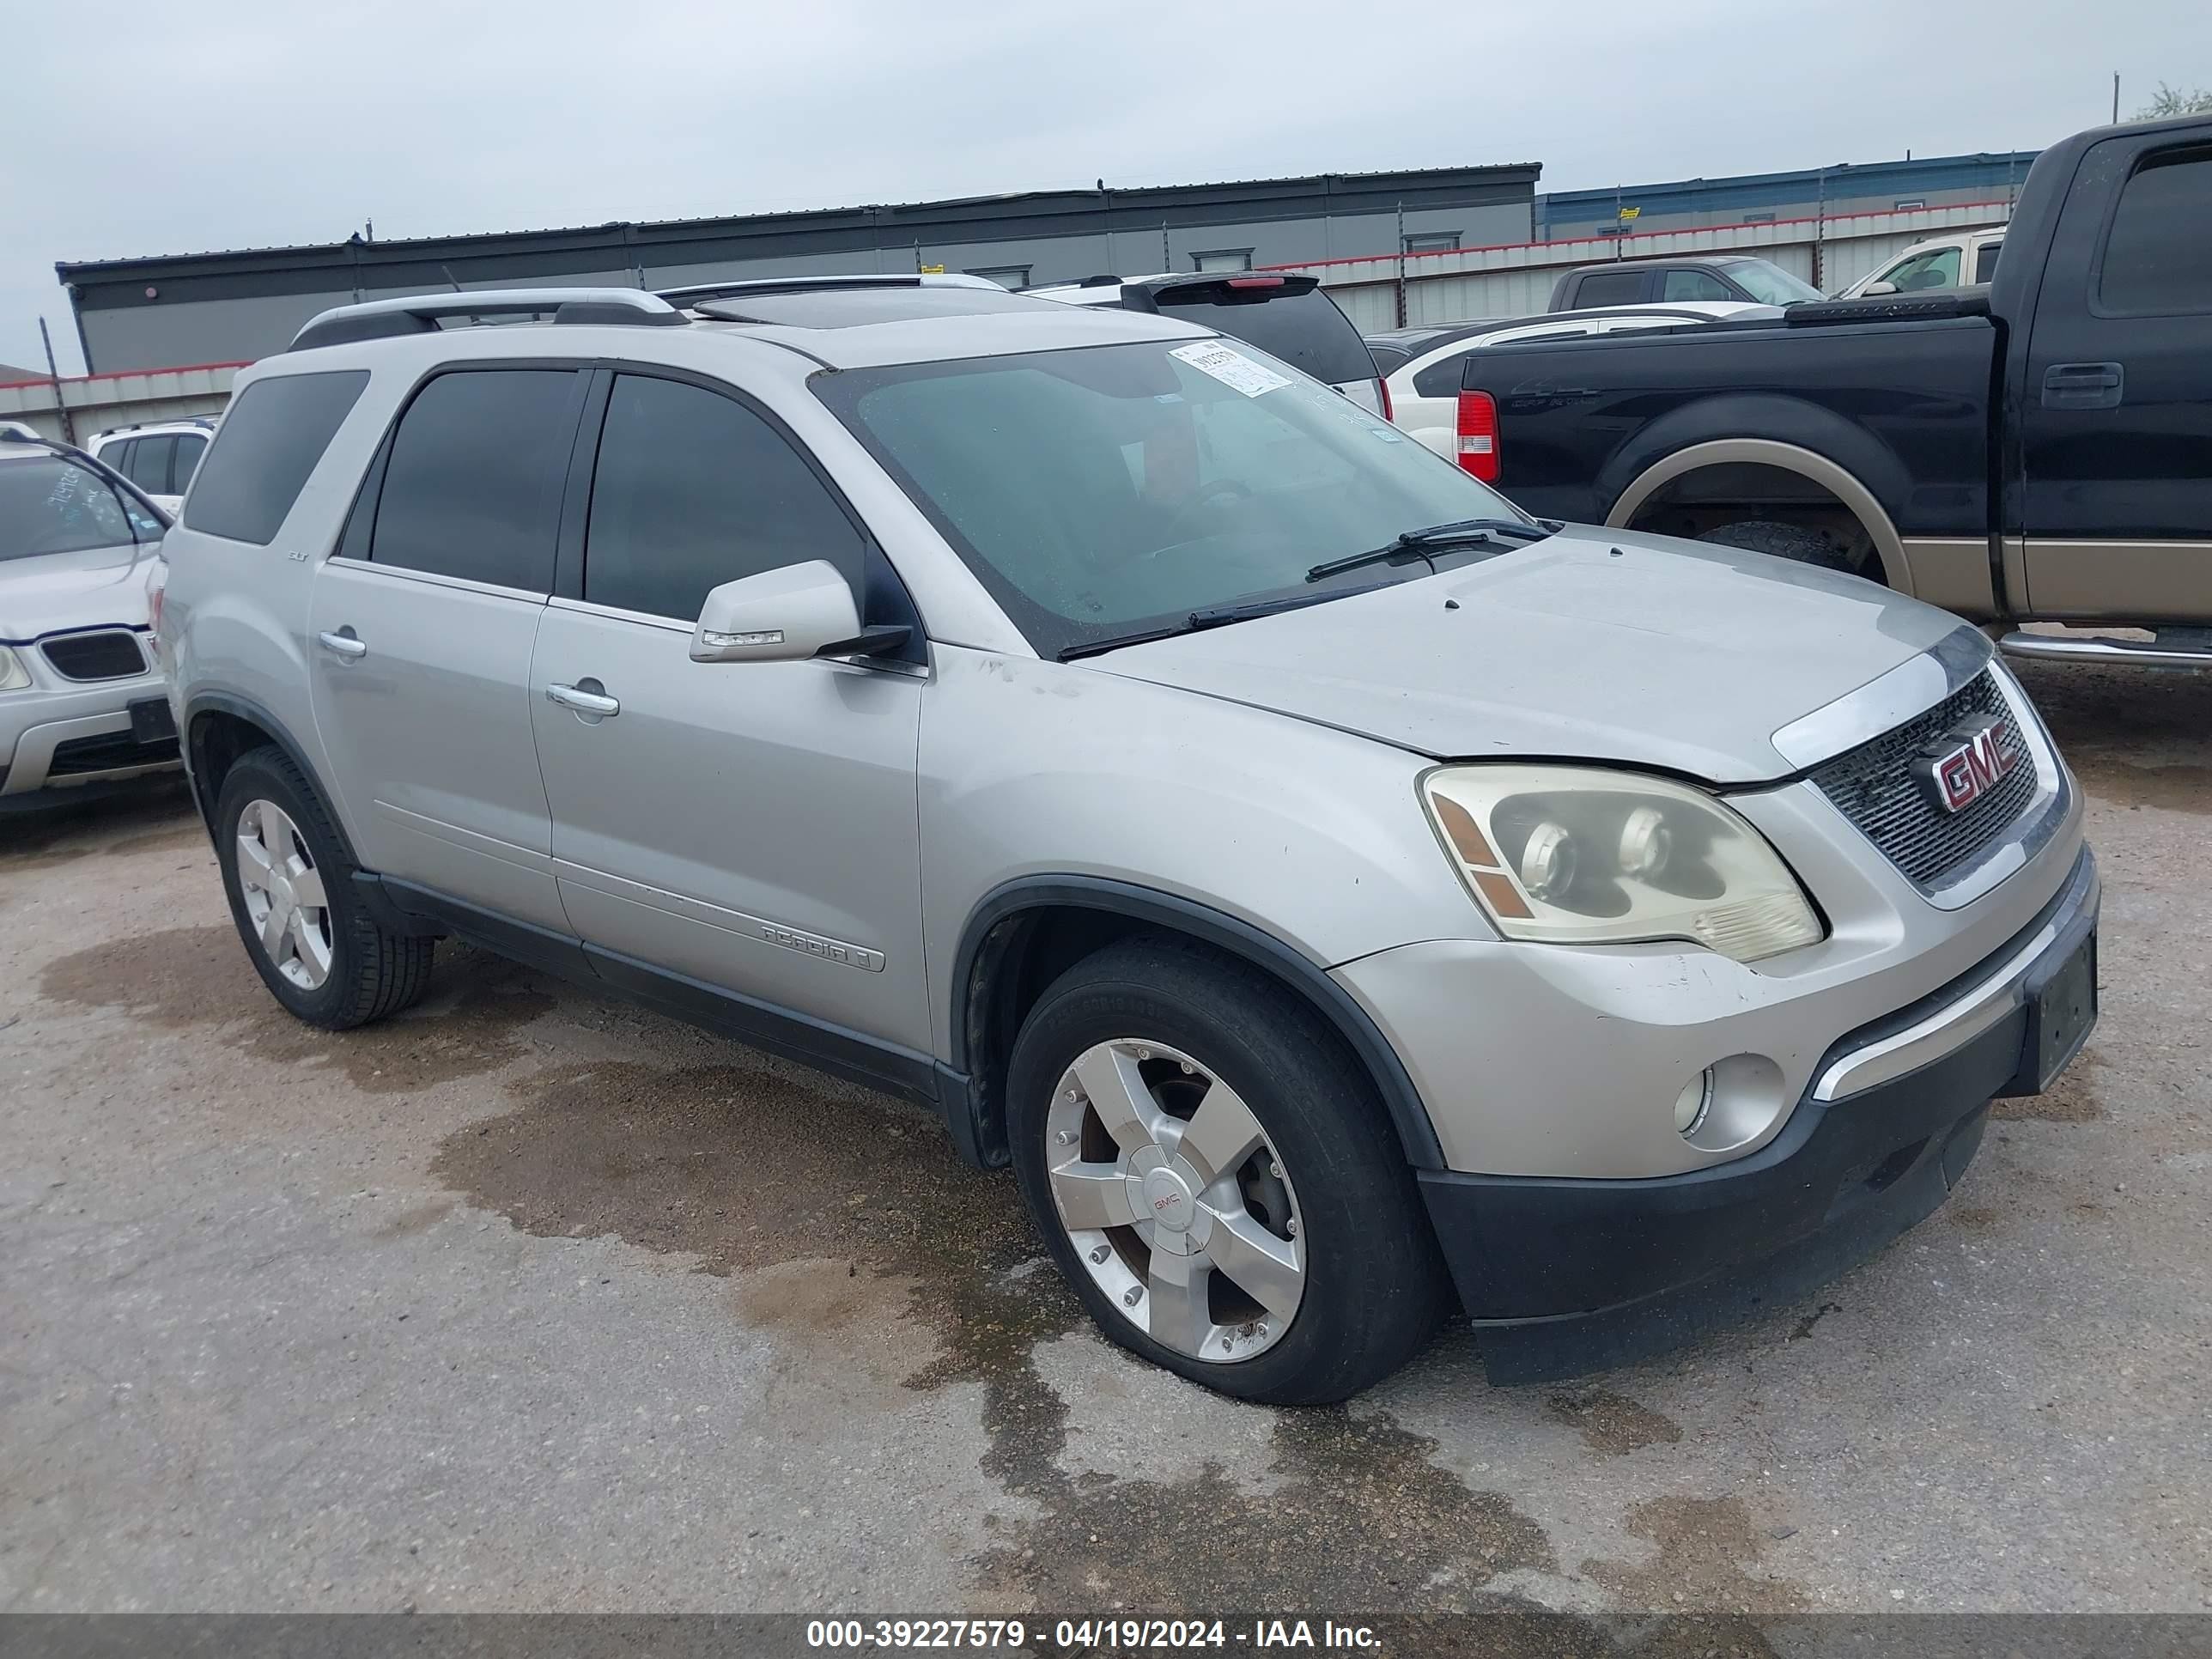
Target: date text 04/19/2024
1088,1635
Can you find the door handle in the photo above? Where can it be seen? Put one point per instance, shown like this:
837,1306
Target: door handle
582,701
2083,385
343,644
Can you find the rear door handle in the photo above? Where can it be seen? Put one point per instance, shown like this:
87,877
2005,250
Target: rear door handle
2083,385
343,644
582,701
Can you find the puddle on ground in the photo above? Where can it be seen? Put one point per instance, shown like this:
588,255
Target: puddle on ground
1707,1552
1613,1424
884,1266
187,977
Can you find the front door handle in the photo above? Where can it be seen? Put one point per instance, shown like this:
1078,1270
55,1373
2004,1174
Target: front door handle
587,698
2083,385
343,644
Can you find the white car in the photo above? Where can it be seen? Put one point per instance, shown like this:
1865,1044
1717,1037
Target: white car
1421,366
159,456
1961,257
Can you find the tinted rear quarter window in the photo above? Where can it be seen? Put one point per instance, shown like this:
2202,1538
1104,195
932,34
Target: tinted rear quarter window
149,463
2154,258
472,487
275,432
1306,331
189,448
1985,260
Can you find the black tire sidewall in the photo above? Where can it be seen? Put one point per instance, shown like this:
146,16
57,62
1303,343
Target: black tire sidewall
265,776
1372,1273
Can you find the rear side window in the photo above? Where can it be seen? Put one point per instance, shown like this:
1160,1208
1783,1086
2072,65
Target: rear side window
189,446
149,463
1441,378
695,489
275,432
1985,260
2154,258
1306,331
1610,288
472,486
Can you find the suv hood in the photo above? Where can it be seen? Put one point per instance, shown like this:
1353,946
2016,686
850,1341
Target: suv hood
50,592
1594,644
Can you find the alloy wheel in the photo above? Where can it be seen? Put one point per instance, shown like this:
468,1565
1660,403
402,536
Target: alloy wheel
284,897
1176,1201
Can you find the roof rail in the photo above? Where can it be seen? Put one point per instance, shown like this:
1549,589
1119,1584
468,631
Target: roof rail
421,313
750,285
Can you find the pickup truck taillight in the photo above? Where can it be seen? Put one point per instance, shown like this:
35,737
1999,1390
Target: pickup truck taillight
1478,434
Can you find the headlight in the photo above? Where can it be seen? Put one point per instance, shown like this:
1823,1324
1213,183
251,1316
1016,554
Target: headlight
14,677
1574,855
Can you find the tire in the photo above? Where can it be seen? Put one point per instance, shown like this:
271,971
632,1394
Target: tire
1785,541
1326,1188
334,967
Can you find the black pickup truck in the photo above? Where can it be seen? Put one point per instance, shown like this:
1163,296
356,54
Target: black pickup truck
2039,449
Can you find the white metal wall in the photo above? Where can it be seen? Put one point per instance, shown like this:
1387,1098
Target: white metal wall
1517,280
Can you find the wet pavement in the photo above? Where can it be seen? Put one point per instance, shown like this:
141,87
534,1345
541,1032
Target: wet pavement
528,1300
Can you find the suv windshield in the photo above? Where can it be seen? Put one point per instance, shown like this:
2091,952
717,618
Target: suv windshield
50,504
1099,491
1769,284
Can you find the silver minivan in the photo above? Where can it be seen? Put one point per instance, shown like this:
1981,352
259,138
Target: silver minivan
1338,895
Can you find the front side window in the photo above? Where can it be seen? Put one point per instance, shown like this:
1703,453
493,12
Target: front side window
695,489
473,488
1937,268
271,437
1694,285
1769,284
1104,490
50,504
2155,256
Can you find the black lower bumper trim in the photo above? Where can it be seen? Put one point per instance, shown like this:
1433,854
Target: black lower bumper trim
1562,1277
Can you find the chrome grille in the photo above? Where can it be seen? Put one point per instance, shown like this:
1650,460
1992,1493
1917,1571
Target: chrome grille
1875,788
109,653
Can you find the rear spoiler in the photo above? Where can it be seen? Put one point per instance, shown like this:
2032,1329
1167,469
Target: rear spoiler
1972,302
1213,288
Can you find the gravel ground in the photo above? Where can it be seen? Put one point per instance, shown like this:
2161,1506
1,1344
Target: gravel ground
528,1300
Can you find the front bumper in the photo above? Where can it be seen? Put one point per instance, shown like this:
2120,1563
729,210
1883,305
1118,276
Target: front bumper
57,741
1567,1275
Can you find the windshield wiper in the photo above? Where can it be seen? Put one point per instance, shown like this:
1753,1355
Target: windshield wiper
1219,615
1420,543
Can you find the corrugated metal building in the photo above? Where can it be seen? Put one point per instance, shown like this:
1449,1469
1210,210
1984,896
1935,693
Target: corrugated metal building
1933,181
229,307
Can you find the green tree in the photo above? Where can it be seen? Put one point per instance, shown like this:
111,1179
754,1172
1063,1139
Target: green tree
2175,100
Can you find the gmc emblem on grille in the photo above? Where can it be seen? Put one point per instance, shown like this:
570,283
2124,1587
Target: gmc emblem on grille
1966,763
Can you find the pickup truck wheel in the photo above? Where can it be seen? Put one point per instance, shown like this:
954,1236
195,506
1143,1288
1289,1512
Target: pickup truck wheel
291,892
1787,541
1216,1180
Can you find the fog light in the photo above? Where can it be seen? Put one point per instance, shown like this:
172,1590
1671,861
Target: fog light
1690,1105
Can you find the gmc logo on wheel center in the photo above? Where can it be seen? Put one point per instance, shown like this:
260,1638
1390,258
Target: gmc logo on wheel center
1967,762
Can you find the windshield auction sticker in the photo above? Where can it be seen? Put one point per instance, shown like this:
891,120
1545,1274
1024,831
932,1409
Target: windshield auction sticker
1232,368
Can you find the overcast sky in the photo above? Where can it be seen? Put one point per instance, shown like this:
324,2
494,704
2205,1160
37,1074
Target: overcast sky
148,128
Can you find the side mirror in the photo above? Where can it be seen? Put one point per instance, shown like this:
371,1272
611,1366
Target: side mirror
786,615
1874,289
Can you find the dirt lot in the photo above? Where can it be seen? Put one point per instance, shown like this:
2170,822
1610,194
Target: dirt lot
529,1300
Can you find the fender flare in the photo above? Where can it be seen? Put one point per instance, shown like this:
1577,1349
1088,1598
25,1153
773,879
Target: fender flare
1228,934
1807,463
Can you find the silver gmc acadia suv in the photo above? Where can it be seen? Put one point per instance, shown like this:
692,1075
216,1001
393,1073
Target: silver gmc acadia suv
1332,889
